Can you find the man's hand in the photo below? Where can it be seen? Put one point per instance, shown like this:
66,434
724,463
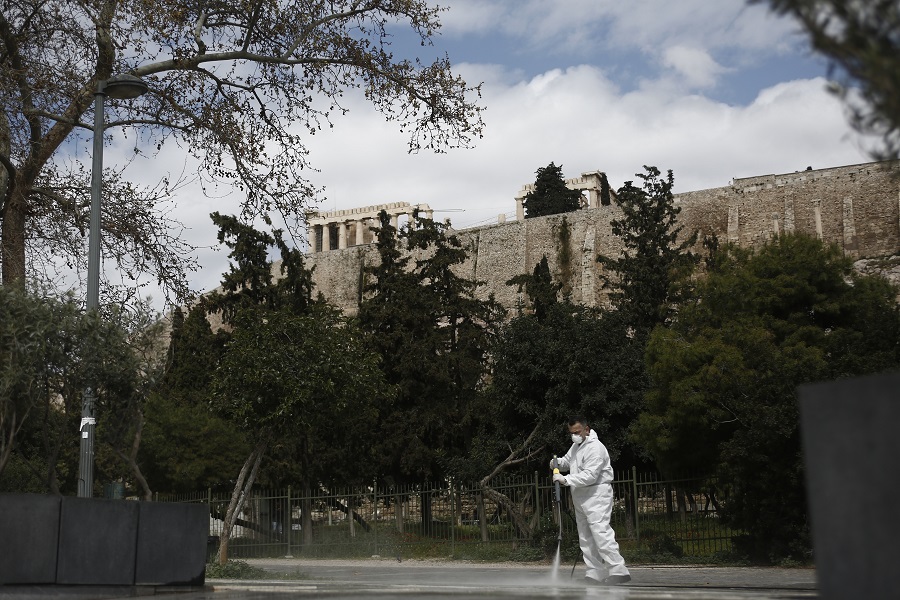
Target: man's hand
560,479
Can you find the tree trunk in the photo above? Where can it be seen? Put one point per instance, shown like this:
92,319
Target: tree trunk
519,521
399,510
241,489
681,502
517,456
482,518
8,430
631,505
670,511
131,459
306,516
7,187
52,438
427,516
12,234
350,513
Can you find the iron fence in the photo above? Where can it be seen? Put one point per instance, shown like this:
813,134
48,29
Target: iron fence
677,516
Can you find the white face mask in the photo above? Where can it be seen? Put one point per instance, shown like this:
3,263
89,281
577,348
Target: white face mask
577,439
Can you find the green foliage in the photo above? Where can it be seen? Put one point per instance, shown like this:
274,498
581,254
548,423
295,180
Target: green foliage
564,257
433,335
660,544
550,195
30,352
544,370
540,288
860,39
280,369
605,199
186,446
50,351
293,372
652,259
235,569
288,374
724,375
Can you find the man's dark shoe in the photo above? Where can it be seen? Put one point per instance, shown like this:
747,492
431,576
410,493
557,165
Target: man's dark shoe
616,580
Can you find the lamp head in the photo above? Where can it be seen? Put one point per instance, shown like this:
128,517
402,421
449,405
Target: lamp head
124,87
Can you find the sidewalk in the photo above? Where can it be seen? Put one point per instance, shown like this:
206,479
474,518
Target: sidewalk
655,575
432,579
537,580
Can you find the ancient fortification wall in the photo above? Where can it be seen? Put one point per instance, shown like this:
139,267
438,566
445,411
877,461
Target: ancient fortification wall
856,207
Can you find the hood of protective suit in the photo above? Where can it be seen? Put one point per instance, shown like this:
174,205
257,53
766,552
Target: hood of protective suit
588,464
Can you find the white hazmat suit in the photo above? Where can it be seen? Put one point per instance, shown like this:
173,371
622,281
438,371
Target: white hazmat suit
590,479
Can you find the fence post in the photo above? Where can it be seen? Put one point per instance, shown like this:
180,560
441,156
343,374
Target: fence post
637,518
287,528
452,520
375,513
537,497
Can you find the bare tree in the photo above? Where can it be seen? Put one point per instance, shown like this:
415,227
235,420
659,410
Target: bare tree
239,85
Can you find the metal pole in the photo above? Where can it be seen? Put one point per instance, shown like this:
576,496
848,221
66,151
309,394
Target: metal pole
88,418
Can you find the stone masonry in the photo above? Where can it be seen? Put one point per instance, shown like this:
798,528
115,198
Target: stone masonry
856,207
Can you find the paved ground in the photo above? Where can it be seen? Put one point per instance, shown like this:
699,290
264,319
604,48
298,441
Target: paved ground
410,580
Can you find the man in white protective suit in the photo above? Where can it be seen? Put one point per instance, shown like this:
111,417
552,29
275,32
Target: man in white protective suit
590,479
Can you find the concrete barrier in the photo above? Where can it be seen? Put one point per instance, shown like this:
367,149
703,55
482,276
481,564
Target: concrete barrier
84,541
851,446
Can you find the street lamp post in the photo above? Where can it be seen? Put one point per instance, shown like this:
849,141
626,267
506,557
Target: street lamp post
122,87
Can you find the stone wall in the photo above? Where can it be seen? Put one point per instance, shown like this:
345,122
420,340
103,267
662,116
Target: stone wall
856,207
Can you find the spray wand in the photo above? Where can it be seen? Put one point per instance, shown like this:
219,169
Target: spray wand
558,498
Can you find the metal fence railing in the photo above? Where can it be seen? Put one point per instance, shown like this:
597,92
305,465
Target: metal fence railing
679,515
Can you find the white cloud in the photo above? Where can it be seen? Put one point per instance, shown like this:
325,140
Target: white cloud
591,28
695,66
577,118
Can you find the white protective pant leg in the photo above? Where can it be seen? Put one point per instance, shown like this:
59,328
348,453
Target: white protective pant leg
596,537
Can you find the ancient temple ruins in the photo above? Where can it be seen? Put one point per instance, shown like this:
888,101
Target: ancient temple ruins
856,207
340,229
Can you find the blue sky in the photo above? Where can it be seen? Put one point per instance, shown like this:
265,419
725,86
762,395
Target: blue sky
745,46
712,89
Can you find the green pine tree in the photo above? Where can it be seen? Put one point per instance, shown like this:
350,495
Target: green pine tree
433,334
550,195
725,372
652,259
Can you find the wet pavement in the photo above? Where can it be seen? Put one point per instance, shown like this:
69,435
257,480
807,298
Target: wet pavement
384,578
